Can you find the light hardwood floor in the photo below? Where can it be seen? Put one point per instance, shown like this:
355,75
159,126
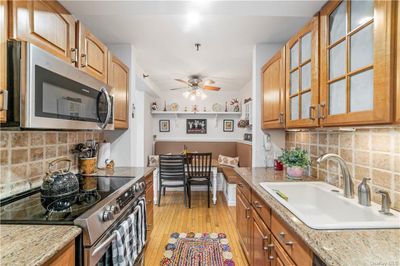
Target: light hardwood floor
172,216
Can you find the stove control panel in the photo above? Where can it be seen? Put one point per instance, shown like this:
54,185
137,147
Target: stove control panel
129,194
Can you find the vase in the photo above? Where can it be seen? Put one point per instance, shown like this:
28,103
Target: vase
295,172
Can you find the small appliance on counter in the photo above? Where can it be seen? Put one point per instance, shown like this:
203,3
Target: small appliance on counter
104,154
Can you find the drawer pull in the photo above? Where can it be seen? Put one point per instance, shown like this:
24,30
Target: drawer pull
257,204
240,184
247,213
265,238
282,236
271,248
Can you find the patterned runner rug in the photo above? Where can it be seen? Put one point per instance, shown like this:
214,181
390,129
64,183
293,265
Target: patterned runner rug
197,249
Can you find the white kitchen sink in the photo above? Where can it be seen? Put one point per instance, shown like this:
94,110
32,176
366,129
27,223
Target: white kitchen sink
323,206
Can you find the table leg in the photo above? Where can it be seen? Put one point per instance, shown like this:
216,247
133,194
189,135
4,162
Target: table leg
215,173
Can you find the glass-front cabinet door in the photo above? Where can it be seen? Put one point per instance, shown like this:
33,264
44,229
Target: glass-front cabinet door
356,62
302,77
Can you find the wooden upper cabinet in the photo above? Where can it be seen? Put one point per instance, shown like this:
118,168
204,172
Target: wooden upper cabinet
118,79
397,110
92,54
3,60
357,62
46,24
273,85
302,77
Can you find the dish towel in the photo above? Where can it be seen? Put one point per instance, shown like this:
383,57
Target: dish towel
125,244
142,224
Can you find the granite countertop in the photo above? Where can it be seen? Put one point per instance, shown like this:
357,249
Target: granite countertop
33,244
125,172
334,247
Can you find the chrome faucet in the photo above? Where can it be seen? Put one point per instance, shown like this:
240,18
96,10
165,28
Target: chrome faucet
386,202
348,180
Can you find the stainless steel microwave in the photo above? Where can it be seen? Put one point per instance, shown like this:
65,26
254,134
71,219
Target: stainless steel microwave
44,92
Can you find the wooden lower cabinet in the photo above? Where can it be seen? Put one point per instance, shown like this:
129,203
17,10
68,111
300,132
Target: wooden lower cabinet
279,257
261,237
66,257
243,220
149,204
265,238
397,101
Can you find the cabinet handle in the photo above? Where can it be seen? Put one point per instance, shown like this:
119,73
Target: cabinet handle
281,118
287,243
271,248
84,56
4,105
240,184
311,112
257,205
247,213
321,111
265,238
74,59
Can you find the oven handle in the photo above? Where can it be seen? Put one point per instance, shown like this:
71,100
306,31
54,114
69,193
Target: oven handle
108,241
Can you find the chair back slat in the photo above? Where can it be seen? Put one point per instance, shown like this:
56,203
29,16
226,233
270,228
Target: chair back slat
172,167
199,165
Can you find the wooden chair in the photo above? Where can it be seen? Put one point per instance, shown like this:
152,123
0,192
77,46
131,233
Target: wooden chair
171,168
199,172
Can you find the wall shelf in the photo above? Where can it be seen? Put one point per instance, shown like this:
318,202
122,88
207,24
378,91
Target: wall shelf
194,113
176,114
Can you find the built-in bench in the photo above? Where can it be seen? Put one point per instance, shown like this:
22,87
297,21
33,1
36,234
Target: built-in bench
228,177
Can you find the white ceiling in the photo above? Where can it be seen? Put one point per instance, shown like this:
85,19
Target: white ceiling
164,33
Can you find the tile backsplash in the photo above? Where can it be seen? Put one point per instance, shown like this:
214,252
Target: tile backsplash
25,155
373,153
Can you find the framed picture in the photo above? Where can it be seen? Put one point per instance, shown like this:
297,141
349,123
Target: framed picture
229,125
196,126
164,126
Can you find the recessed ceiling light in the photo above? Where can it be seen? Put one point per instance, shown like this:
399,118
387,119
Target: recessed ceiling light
193,18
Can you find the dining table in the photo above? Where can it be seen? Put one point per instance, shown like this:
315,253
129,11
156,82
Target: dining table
214,175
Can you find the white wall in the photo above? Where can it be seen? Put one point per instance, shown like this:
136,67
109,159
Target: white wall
214,125
261,54
131,147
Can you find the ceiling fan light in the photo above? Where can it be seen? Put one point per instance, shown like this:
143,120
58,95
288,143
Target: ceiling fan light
186,94
193,97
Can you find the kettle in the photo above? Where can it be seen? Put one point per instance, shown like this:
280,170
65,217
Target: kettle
60,188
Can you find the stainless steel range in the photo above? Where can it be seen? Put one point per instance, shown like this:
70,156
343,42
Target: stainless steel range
98,211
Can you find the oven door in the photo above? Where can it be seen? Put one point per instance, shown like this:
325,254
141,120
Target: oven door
57,95
95,255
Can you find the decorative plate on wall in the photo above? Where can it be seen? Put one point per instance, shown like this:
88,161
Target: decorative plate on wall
174,107
217,107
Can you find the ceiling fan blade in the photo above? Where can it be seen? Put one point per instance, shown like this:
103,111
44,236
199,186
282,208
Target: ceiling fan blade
211,88
181,88
183,81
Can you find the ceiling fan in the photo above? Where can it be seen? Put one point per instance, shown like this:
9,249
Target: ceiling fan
195,82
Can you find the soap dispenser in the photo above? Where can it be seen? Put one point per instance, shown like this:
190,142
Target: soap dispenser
364,192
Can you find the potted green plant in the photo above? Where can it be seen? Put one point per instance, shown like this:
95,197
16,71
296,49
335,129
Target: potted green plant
295,161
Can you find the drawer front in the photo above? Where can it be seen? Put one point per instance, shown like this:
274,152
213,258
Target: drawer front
244,188
292,244
261,208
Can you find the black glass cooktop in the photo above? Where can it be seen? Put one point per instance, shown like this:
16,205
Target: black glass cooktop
27,208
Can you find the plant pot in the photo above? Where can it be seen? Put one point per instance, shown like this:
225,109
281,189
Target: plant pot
295,172
87,166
